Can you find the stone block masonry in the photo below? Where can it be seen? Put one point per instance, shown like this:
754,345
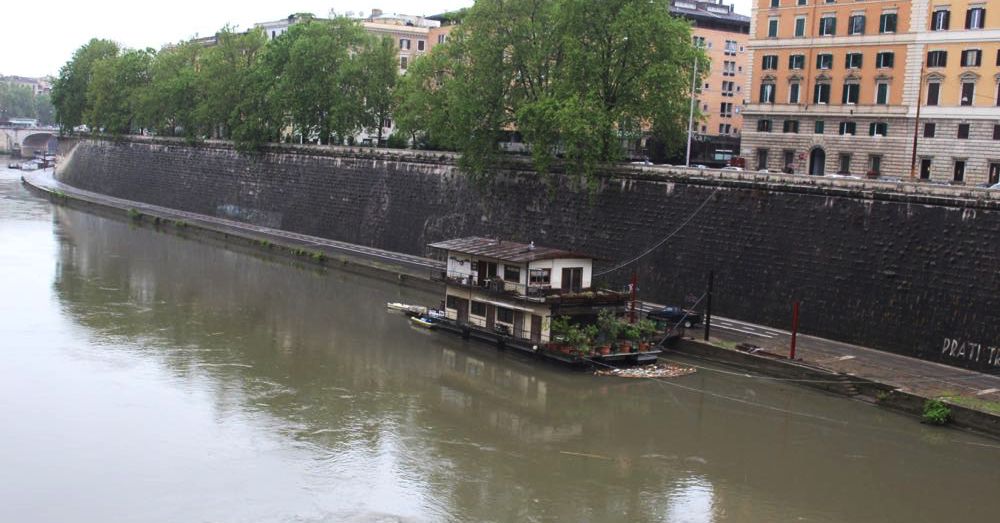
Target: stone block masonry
908,273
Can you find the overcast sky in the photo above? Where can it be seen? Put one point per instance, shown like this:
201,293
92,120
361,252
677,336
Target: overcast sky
40,45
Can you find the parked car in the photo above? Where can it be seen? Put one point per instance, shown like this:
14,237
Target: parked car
768,171
732,168
676,315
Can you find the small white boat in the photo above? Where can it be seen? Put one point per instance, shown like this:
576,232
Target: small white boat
410,310
423,321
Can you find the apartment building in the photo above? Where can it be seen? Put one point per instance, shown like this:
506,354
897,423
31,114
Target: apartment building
724,36
875,87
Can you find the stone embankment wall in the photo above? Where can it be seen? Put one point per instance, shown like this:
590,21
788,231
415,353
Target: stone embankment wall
915,272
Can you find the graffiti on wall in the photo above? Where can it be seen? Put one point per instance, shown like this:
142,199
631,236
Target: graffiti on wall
971,351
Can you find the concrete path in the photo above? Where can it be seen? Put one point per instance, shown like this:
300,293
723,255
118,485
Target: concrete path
913,375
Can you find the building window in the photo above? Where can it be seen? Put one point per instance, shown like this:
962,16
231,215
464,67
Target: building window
763,126
882,93
404,43
996,131
767,93
478,308
801,2
933,93
770,62
940,20
726,109
878,129
972,58
853,60
850,94
761,159
818,127
998,57
420,45
793,93
442,39
968,92
925,168
828,26
772,28
824,61
728,68
698,41
937,59
974,17
791,126
875,163
963,131
821,94
789,160
856,25
797,61
929,130
540,276
844,166
848,128
724,128
452,302
512,273
505,315
774,3
402,62
887,23
800,26
884,60
959,171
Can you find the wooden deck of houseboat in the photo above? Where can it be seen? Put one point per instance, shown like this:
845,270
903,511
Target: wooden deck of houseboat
528,348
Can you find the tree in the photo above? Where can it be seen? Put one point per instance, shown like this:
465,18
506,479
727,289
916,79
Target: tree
578,78
44,110
223,79
69,91
113,95
16,101
380,69
318,67
168,102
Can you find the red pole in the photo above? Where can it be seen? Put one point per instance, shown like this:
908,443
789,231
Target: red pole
632,287
795,328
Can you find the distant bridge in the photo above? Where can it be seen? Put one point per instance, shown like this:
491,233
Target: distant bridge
26,141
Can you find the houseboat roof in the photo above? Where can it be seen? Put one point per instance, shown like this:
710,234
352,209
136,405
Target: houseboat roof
505,250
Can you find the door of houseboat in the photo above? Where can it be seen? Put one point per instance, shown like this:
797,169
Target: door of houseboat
519,324
536,328
572,279
462,305
491,316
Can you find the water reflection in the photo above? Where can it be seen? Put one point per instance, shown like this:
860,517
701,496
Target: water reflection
355,415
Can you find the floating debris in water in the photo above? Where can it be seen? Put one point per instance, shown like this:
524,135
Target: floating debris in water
655,370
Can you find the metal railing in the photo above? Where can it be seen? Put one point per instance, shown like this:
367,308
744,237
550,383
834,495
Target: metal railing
498,285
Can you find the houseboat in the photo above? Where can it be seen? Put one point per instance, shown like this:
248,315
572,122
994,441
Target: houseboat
538,300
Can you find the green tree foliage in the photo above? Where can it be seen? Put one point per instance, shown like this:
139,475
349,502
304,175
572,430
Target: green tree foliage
318,68
380,69
16,101
167,104
578,78
69,91
116,89
224,79
44,110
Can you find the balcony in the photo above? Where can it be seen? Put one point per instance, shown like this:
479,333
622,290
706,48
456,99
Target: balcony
499,286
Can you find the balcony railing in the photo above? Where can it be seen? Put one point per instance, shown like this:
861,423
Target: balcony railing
498,285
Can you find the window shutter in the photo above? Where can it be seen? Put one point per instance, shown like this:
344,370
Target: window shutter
968,19
947,19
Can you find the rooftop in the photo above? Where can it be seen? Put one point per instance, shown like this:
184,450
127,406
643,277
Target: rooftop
504,250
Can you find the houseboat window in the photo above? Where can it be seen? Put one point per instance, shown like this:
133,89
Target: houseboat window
452,302
505,315
512,273
541,276
478,308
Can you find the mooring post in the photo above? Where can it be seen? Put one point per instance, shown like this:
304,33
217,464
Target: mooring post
632,292
708,303
795,328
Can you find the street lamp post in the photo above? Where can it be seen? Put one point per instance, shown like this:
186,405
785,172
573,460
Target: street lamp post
916,122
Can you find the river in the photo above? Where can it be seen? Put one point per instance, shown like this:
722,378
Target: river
149,377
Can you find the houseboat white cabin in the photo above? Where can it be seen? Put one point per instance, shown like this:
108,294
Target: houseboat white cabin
517,288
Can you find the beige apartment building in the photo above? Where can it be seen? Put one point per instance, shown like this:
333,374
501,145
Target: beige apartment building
723,35
875,87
